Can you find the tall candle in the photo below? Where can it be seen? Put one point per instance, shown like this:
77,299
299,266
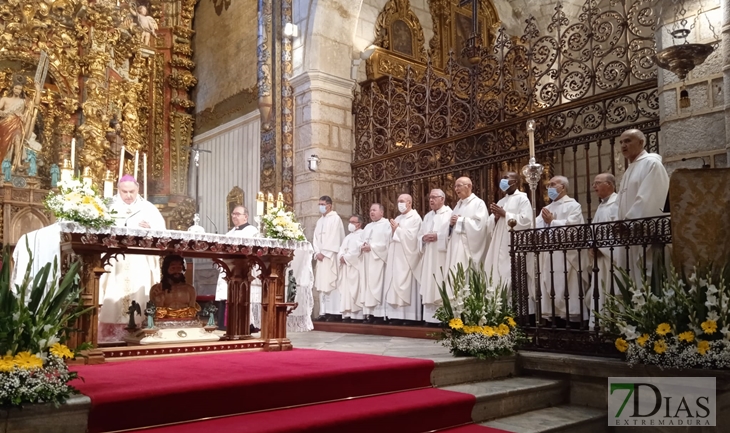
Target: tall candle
86,177
121,163
108,185
73,153
531,136
67,172
280,200
270,202
144,170
136,163
260,204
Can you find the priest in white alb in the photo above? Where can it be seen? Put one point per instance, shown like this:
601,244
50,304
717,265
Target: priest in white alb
401,286
374,249
328,236
348,277
643,192
468,228
433,242
554,274
128,278
604,186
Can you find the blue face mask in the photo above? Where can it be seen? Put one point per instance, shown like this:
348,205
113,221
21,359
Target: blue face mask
553,193
504,184
322,209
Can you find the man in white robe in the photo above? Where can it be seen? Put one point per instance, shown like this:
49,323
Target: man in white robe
348,277
643,192
604,185
468,235
433,243
376,238
241,229
562,211
328,236
401,287
130,278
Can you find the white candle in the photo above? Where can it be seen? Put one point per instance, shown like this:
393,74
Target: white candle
136,163
73,153
121,164
144,170
260,204
108,185
531,135
280,200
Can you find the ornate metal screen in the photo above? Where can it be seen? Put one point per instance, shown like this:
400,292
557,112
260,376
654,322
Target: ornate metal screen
584,82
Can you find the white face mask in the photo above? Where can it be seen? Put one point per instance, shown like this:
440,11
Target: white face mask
351,227
322,209
401,207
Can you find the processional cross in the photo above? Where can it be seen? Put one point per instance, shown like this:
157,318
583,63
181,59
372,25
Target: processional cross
29,124
196,158
473,47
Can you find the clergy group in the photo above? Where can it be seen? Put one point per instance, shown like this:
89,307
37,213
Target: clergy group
390,269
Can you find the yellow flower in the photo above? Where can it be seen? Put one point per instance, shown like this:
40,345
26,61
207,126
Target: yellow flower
488,331
61,351
663,329
456,324
502,330
703,346
471,329
511,321
709,326
621,345
660,346
687,336
6,364
27,360
642,340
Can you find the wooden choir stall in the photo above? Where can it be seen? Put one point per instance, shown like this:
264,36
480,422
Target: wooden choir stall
94,248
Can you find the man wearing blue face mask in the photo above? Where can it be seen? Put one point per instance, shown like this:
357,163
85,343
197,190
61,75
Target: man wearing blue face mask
559,271
328,236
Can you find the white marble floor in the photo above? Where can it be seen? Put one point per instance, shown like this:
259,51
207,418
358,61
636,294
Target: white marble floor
370,344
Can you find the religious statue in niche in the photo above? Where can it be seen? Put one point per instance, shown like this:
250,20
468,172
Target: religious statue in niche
146,23
12,122
55,174
402,38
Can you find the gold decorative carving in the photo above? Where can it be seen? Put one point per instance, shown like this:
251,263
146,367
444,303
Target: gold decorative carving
182,62
397,29
182,133
182,80
158,107
181,217
234,198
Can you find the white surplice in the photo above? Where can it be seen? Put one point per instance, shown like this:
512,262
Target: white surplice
642,194
401,287
432,266
607,212
328,236
498,261
469,236
244,231
129,278
567,211
372,266
348,277
45,246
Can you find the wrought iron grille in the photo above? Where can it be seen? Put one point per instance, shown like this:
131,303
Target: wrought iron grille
584,82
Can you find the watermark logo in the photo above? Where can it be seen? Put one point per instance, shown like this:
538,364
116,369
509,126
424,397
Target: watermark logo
662,401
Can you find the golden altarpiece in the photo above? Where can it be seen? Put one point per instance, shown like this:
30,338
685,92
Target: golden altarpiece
118,80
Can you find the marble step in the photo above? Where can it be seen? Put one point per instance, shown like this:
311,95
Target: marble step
500,398
449,370
558,419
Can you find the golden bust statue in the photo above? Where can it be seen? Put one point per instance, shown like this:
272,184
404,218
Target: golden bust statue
173,297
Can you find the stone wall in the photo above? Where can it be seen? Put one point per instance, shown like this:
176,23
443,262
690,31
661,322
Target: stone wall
224,51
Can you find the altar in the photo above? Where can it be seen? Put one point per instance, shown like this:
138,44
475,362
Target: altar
95,247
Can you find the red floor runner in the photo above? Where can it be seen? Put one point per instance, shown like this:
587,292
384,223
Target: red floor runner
159,391
406,412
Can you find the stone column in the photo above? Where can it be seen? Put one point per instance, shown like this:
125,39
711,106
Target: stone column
725,47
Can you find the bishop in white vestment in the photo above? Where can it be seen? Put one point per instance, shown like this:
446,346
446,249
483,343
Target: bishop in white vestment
433,242
328,236
376,239
348,277
562,211
604,185
643,192
129,278
401,287
468,237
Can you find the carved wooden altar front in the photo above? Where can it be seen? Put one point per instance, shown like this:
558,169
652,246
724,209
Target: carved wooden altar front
95,248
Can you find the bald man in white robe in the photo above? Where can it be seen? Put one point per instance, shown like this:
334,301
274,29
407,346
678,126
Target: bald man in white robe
348,278
468,229
604,186
643,192
374,250
328,236
401,286
433,243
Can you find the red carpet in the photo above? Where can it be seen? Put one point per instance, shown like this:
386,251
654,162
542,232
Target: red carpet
406,412
143,393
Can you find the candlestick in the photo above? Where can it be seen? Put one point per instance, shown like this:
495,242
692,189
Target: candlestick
260,204
531,135
144,170
108,184
121,163
280,200
86,177
270,202
73,154
67,173
136,163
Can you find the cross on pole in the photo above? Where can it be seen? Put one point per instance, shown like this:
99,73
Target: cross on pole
196,158
473,46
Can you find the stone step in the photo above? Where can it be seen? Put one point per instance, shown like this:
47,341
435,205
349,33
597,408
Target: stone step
558,419
500,398
452,371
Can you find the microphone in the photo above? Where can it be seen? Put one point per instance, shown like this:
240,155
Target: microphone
214,226
127,220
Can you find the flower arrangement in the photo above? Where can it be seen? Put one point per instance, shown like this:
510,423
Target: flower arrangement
671,323
80,203
478,315
34,320
279,223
